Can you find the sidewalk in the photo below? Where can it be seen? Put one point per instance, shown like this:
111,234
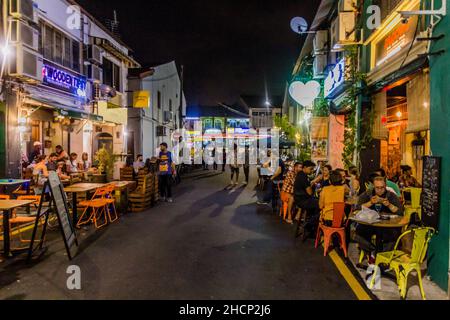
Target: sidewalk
389,289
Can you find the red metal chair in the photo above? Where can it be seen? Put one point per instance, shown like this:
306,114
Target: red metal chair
337,227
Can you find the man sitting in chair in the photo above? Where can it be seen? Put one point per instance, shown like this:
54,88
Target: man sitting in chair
384,202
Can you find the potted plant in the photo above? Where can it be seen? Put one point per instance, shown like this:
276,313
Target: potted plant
105,161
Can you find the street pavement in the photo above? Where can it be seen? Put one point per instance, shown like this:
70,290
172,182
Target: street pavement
211,243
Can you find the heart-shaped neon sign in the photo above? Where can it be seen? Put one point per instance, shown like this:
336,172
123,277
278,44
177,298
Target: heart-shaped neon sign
304,94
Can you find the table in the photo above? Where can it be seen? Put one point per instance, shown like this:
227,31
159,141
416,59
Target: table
11,182
398,222
120,187
80,188
7,206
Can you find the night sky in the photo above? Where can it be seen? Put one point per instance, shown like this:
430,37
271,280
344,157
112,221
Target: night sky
227,47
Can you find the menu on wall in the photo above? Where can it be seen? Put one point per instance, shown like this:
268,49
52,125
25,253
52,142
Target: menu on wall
431,191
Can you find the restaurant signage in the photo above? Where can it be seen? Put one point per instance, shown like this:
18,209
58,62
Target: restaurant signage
335,80
399,38
62,79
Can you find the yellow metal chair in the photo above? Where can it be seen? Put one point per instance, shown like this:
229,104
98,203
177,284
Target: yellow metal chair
403,263
415,206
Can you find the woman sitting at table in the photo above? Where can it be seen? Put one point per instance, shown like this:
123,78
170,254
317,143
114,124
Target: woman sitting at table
84,165
329,196
323,179
40,173
71,165
384,202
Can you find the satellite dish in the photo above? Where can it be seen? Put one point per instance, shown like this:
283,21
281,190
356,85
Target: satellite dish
299,25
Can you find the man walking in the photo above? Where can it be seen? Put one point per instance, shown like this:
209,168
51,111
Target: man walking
166,171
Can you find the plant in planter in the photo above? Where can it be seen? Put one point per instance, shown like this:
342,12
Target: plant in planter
105,162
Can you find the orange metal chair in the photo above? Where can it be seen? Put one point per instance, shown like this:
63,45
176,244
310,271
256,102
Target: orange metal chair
336,228
4,197
111,200
15,220
285,197
98,205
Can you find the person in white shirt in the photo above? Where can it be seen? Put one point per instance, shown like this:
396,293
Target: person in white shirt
72,165
139,163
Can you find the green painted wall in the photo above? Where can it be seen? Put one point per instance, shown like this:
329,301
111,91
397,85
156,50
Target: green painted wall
440,146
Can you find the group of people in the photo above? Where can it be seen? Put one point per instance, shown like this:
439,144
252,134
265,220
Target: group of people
163,166
316,188
60,161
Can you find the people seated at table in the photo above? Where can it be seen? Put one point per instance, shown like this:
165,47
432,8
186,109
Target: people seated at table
323,179
52,162
391,186
40,173
275,179
407,180
152,165
139,163
329,196
384,202
288,187
62,154
85,165
355,185
71,164
37,151
304,196
61,171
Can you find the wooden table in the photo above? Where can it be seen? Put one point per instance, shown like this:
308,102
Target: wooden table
398,222
11,182
80,188
7,206
123,188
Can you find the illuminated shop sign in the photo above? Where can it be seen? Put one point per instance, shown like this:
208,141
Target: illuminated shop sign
335,79
399,38
62,79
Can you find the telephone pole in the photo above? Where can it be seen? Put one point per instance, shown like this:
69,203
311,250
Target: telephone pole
181,97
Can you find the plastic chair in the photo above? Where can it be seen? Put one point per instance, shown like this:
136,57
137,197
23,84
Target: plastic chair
98,205
403,263
336,228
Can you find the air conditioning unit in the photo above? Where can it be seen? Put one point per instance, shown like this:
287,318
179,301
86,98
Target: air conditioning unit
343,30
95,73
94,55
320,41
168,116
319,66
117,100
26,64
22,33
347,5
161,131
22,9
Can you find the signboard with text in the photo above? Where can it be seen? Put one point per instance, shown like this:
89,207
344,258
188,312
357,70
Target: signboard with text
335,80
62,79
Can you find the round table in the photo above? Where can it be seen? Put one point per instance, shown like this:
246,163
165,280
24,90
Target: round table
398,222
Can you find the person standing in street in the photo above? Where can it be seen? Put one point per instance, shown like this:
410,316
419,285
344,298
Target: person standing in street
247,165
166,171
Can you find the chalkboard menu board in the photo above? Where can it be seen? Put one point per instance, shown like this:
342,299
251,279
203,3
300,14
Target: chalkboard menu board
431,191
62,210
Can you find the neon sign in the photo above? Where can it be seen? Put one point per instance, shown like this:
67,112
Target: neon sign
64,80
335,79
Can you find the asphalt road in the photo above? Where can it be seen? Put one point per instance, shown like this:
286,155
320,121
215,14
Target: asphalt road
210,243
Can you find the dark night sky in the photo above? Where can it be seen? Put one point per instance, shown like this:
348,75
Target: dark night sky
227,47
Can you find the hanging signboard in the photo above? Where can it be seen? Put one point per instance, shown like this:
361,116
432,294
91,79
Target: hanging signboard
399,38
141,99
431,191
335,80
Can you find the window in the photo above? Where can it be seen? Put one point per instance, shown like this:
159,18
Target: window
67,53
58,56
159,100
111,74
56,47
48,43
